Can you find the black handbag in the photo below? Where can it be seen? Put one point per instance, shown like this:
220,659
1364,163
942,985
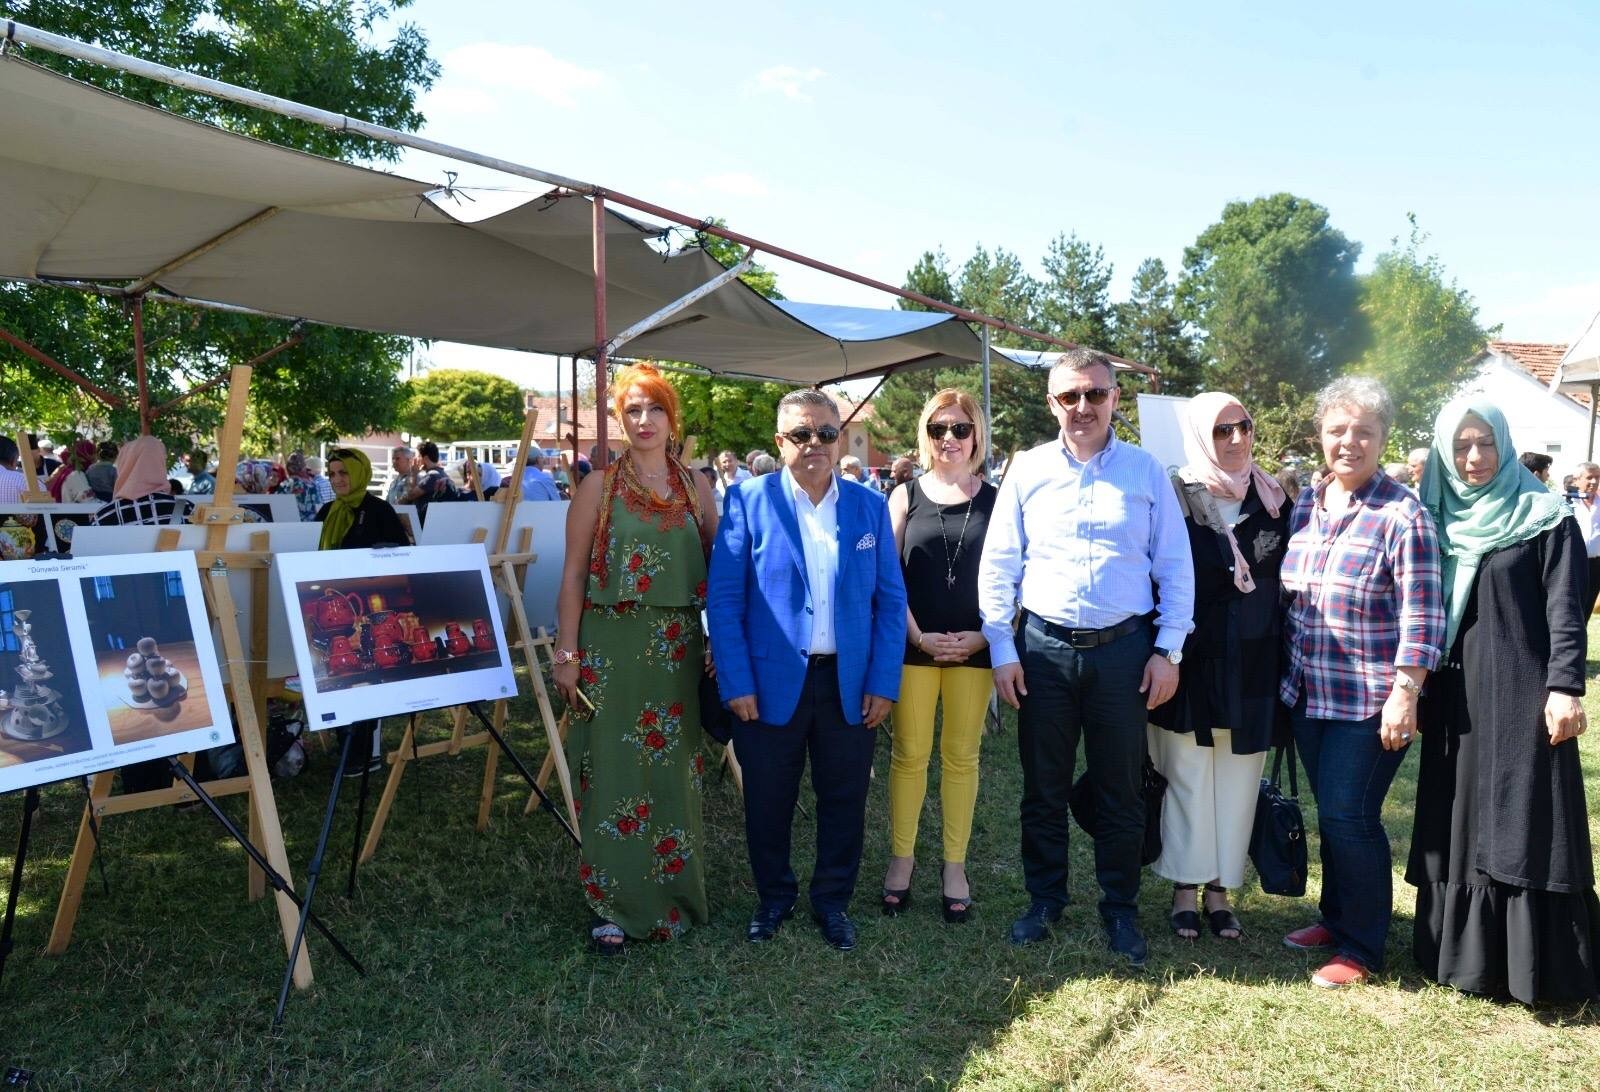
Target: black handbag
716,721
1155,791
1278,840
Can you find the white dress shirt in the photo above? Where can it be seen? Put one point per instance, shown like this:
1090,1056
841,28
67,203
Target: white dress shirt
819,538
1589,523
12,485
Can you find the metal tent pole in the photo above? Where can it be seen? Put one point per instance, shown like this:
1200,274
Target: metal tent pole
988,408
1594,406
601,451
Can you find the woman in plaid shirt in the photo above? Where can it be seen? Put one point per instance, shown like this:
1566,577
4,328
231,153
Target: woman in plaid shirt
1363,627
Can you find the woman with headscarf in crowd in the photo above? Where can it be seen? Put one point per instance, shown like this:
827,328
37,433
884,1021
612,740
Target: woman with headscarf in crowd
1500,853
142,493
1211,739
628,661
358,520
70,483
939,525
1364,626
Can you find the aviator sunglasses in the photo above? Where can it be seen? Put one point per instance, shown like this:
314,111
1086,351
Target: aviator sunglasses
1095,396
1223,433
800,437
961,430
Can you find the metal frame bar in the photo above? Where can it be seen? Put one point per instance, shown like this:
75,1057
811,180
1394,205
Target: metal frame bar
650,322
23,347
148,281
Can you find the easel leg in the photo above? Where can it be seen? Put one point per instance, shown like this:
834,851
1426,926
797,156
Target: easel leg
83,852
255,879
30,804
390,788
548,767
313,872
731,760
527,774
491,765
94,832
361,811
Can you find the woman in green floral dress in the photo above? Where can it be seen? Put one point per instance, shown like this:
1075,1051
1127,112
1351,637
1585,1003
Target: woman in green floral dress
630,648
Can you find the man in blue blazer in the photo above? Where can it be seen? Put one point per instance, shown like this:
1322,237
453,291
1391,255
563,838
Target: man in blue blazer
807,611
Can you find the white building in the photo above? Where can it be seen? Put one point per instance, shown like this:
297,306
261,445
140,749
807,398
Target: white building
1516,376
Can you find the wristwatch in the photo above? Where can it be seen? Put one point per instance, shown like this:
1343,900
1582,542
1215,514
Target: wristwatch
565,656
1173,658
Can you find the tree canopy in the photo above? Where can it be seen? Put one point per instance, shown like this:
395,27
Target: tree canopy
325,53
449,404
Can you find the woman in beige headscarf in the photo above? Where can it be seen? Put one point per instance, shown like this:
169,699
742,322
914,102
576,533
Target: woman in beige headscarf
142,493
1210,739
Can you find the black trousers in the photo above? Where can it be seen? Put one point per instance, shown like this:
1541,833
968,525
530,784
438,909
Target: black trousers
773,757
1092,693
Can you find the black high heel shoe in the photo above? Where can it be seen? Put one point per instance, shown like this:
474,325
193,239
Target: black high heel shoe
902,899
952,914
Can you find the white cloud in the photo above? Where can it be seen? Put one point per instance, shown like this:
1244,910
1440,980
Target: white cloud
735,183
788,81
471,71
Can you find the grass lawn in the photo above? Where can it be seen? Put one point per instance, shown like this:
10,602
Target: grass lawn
479,977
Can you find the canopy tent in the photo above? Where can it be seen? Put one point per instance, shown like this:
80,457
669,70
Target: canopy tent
1578,371
102,190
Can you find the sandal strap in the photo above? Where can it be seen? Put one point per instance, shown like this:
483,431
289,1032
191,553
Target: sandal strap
1185,887
1216,887
606,929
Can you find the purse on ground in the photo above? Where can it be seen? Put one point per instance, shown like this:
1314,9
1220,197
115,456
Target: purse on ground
1278,841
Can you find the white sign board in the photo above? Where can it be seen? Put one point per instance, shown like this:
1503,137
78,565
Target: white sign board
394,631
1161,428
104,662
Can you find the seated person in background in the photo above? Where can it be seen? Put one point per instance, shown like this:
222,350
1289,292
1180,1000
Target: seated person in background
203,482
143,493
538,485
103,474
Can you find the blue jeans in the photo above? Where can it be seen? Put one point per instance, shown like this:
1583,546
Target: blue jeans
1350,774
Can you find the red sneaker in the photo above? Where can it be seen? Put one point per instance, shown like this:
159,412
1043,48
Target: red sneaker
1309,939
1339,972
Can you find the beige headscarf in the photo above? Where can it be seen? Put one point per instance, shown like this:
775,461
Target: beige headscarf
141,469
1200,446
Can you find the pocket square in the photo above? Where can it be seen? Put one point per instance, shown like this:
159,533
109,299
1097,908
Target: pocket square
867,541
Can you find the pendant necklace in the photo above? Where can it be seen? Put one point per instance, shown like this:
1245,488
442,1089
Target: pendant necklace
949,561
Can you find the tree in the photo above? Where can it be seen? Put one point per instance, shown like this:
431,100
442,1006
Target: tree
1425,336
899,401
449,405
1149,329
321,52
726,414
1074,297
1273,288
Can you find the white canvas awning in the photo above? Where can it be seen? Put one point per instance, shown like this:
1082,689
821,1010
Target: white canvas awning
100,189
1579,368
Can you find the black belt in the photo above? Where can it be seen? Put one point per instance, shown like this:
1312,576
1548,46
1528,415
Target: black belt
821,658
1085,638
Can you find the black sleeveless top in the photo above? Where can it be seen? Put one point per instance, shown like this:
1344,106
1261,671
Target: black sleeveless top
932,554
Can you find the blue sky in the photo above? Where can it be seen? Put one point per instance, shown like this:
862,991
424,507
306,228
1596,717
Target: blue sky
864,134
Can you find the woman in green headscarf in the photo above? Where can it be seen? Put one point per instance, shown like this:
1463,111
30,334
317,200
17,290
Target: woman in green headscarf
358,520
1500,855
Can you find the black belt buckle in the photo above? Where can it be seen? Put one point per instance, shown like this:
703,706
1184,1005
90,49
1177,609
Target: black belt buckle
817,659
1082,639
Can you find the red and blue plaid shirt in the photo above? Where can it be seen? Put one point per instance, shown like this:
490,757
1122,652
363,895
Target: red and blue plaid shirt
1363,597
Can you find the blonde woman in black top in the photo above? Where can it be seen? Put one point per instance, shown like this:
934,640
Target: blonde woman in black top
939,523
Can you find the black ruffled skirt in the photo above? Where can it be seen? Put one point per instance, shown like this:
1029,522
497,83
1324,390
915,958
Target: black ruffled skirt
1538,947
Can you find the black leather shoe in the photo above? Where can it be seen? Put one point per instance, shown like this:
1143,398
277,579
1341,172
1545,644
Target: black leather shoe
1124,938
1034,925
837,929
766,922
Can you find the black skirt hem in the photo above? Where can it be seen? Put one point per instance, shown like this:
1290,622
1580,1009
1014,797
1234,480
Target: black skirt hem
1496,940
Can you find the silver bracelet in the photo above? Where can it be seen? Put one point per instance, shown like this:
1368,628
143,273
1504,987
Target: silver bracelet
1408,684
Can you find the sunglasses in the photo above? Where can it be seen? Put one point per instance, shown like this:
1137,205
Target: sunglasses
1095,396
961,430
1224,433
800,437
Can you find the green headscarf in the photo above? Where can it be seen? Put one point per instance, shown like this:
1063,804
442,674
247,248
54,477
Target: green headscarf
1474,521
342,512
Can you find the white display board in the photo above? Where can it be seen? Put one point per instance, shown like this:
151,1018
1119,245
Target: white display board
281,538
393,631
457,522
271,507
1161,428
29,529
103,662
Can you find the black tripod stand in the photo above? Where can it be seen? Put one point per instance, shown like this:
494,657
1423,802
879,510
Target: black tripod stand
30,804
527,775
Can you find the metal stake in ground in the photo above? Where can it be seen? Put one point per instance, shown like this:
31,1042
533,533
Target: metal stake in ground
527,775
30,804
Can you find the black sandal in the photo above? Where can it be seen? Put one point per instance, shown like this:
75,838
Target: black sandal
902,897
955,910
607,939
1185,919
1221,921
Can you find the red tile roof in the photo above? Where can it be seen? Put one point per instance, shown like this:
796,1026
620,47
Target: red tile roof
1538,359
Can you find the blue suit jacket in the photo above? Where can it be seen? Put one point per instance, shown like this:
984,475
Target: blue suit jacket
758,604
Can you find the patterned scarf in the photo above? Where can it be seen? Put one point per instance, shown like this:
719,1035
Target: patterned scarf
623,475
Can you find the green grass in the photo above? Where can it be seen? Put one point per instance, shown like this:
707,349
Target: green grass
479,977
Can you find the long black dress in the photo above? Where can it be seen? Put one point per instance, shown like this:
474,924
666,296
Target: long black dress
1230,671
1500,853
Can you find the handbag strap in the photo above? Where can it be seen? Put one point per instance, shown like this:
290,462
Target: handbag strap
1277,769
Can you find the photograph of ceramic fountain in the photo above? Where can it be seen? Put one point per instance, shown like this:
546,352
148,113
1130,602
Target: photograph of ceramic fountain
33,711
154,682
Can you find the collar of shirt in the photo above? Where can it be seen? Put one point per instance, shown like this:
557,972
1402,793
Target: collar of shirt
1106,455
797,492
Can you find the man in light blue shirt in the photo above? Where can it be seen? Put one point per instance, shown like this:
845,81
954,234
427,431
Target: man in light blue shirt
1087,550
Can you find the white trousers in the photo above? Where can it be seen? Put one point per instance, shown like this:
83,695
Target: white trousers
1209,809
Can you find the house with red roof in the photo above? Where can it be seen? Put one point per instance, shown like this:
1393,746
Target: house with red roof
1516,375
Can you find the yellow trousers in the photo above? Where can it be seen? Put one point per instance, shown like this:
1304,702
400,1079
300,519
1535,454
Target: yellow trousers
965,691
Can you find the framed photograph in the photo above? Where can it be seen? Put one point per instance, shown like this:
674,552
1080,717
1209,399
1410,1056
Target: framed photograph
394,631
104,662
28,530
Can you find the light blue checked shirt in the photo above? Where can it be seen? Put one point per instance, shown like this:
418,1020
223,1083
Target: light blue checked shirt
1085,545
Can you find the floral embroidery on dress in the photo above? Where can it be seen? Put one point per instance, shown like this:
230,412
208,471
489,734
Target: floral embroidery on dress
642,564
668,928
672,852
1266,543
667,645
697,601
592,672
656,731
697,771
630,817
597,887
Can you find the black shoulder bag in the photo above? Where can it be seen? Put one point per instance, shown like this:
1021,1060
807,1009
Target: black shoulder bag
1278,842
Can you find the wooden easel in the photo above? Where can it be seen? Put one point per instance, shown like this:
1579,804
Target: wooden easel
509,570
246,676
34,492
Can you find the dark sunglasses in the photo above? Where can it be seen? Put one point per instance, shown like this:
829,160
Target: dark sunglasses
800,437
1095,396
961,430
1224,433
